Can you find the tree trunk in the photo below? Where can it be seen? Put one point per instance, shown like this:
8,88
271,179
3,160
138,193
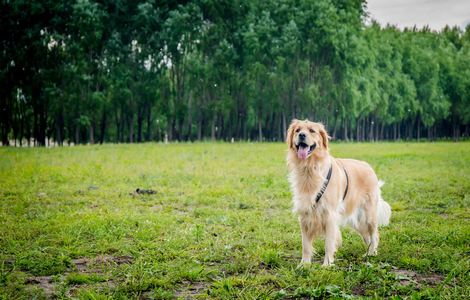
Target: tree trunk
42,127
238,133
410,130
455,129
381,135
364,125
189,118
58,129
199,126
376,129
335,128
284,126
418,128
219,129
92,134
148,134
399,130
39,117
131,128
260,130
118,128
5,121
213,127
245,130
140,121
28,134
170,130
77,134
103,126
358,130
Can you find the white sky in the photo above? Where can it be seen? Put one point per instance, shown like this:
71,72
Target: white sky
407,13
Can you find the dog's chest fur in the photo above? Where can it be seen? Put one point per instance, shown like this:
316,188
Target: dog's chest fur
306,182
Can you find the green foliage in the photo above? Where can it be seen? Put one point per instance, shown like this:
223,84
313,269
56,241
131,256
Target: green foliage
93,71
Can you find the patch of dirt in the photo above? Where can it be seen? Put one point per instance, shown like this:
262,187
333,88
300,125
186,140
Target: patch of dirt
119,260
189,289
358,290
407,277
73,291
82,265
432,279
43,282
85,264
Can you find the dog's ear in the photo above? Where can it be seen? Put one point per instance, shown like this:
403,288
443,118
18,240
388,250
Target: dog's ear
324,136
290,132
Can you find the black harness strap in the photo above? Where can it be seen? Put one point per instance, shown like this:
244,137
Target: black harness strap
325,184
327,180
347,183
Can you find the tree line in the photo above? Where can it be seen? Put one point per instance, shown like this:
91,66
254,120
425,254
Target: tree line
89,71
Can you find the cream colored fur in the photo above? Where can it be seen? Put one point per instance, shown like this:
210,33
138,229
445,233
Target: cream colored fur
363,207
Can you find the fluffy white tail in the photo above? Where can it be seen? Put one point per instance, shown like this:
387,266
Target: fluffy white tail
384,211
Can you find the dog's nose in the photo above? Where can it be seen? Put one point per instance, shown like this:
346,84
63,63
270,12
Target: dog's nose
302,136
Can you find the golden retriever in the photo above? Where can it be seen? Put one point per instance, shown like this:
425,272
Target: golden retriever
351,195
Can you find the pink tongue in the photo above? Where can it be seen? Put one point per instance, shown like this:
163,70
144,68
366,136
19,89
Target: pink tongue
302,152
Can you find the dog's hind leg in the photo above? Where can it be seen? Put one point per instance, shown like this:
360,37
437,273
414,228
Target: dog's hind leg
364,232
363,228
372,227
374,239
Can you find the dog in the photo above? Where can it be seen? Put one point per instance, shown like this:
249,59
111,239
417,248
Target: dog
331,192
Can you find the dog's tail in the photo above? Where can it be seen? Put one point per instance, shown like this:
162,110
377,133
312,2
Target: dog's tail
384,211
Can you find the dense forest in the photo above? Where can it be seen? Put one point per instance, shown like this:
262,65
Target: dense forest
131,71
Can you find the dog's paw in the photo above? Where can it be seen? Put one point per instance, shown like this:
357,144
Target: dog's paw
328,263
370,253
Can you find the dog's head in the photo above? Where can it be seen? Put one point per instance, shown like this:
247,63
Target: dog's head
307,138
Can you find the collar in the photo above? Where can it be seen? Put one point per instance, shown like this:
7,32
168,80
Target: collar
325,185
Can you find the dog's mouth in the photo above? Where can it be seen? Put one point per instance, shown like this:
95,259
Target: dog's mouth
304,150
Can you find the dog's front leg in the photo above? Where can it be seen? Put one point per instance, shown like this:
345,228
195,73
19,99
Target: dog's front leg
307,238
332,236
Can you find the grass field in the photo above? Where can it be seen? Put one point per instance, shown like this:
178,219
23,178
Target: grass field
220,225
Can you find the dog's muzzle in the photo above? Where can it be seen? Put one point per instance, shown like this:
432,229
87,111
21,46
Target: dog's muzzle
304,150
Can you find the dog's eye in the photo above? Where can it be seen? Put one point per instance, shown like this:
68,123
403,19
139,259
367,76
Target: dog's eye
311,130
297,130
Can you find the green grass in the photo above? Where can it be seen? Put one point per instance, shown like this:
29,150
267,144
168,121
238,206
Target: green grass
220,225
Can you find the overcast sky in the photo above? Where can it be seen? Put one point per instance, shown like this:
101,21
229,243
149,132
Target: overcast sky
406,13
